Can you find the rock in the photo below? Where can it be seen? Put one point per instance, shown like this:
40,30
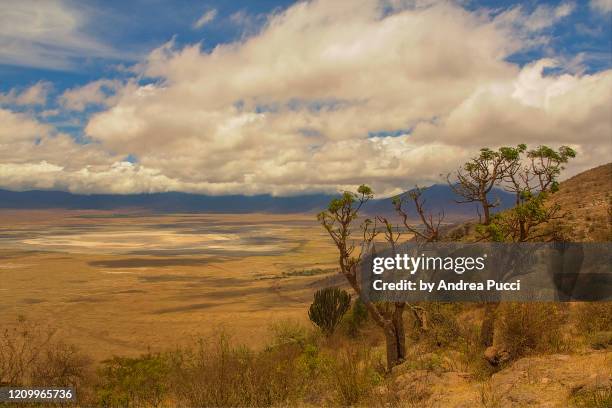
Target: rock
601,340
550,381
523,397
496,356
414,384
594,382
448,389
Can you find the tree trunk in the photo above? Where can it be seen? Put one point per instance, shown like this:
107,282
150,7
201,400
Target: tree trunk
522,231
486,210
395,338
487,330
392,325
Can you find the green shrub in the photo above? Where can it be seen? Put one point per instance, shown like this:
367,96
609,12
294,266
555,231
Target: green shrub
442,328
133,382
328,308
356,318
287,332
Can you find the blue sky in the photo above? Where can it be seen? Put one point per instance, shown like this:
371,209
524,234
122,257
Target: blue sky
134,28
109,53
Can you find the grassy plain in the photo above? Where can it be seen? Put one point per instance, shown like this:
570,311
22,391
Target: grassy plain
119,283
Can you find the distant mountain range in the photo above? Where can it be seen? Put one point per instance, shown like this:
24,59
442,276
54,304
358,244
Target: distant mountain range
441,198
438,198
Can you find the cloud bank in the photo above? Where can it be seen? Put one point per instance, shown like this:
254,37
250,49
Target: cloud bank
325,96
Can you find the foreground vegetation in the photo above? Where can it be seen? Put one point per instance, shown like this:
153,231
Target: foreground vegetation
302,366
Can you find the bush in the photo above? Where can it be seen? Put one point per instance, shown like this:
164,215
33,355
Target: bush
220,374
442,327
594,322
599,398
357,317
133,382
523,328
30,357
328,308
353,376
593,317
61,365
434,324
286,332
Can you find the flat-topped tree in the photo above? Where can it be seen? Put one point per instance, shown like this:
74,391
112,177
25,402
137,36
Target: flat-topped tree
338,220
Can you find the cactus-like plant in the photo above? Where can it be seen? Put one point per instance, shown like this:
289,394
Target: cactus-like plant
328,307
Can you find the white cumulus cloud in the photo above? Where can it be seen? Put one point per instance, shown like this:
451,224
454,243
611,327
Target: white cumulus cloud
100,92
31,96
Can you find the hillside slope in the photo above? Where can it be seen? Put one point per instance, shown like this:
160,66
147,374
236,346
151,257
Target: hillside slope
586,200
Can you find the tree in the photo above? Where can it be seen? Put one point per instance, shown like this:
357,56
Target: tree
431,230
338,220
532,175
476,178
328,307
532,180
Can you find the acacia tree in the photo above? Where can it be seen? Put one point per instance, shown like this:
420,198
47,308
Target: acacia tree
338,220
476,178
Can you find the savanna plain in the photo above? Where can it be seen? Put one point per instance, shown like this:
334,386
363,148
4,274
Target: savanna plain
120,283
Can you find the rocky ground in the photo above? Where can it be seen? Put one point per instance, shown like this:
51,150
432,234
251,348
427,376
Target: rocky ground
556,380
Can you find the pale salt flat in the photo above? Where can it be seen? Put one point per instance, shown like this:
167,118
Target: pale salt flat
109,239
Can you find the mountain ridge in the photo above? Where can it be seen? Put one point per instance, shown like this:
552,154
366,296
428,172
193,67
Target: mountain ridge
438,198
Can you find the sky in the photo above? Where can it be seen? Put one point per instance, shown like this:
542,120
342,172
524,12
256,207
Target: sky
285,98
